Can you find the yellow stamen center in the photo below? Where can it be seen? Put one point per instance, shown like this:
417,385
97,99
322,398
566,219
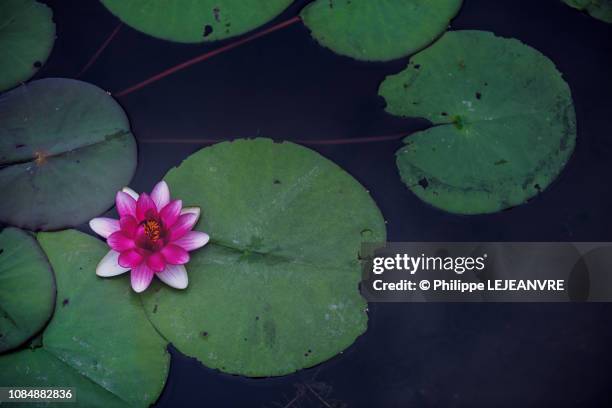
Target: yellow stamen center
152,229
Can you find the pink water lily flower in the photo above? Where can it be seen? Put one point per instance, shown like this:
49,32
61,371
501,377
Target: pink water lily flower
152,237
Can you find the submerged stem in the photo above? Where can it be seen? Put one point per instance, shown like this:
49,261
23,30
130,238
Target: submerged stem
100,50
206,56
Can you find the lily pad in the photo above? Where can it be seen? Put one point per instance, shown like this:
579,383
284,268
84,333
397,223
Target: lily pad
195,21
65,150
27,34
504,121
27,288
599,9
276,290
99,340
378,30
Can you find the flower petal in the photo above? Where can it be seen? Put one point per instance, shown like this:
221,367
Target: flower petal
119,242
126,205
171,213
130,259
156,262
175,255
109,265
104,226
184,224
141,277
160,195
129,225
130,192
145,207
191,210
174,276
192,240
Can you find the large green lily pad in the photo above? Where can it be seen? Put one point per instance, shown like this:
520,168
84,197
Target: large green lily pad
27,34
599,9
27,288
276,290
504,121
65,150
195,21
99,340
378,30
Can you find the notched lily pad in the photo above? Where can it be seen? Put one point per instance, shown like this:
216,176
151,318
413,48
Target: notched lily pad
27,34
276,290
504,121
378,30
599,9
65,149
195,21
99,341
27,288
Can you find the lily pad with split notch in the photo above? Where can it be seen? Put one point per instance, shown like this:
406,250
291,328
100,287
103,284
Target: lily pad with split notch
378,30
276,289
504,122
100,342
65,150
27,34
27,288
195,21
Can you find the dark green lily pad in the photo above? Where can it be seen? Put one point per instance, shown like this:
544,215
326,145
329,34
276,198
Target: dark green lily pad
65,150
599,9
27,34
27,288
276,290
99,340
378,30
195,21
505,122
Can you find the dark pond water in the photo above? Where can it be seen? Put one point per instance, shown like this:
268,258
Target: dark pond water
285,86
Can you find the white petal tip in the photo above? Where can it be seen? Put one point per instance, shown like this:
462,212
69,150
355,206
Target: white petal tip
106,274
174,276
191,210
205,238
109,265
193,240
139,289
181,287
104,226
160,195
130,192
